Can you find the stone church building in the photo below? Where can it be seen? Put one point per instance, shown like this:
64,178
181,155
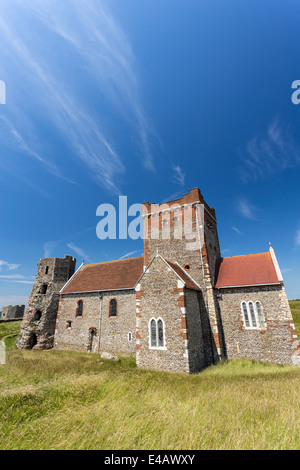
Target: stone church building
179,307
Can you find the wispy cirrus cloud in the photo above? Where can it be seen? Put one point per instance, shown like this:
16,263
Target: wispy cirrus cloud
178,175
246,209
270,152
79,251
98,44
235,229
297,238
128,255
9,266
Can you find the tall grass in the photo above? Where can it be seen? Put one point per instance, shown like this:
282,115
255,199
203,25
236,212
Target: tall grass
68,400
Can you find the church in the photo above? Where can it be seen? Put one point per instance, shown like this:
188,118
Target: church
180,307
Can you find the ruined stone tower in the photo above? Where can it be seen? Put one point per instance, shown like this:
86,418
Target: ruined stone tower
38,325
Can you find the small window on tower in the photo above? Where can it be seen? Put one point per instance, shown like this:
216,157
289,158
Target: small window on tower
44,289
47,269
68,324
187,267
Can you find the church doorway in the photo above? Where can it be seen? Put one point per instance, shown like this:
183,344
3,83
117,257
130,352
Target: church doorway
91,347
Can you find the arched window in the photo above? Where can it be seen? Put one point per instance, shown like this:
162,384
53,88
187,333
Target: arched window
260,315
113,308
253,319
160,334
79,309
253,315
153,334
129,337
157,334
245,313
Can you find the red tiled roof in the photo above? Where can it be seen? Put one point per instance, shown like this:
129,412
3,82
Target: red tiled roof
247,270
183,275
110,275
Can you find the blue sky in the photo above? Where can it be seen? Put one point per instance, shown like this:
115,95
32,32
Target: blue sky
146,99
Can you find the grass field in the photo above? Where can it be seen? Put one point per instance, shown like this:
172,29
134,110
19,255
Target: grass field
67,400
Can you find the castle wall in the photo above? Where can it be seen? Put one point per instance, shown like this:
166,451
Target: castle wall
277,342
113,330
12,312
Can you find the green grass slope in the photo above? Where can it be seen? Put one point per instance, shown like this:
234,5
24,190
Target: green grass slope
9,332
295,308
68,400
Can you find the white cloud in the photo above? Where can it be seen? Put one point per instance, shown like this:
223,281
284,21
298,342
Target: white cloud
246,209
269,153
178,175
286,270
127,255
10,266
79,251
236,230
48,248
297,238
102,48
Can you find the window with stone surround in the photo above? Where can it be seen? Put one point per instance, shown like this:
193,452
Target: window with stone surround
79,309
113,308
156,334
253,315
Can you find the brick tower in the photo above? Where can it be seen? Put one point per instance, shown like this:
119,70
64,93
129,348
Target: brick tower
185,231
38,325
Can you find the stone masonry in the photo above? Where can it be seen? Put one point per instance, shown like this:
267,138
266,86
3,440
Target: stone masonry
38,325
15,312
180,307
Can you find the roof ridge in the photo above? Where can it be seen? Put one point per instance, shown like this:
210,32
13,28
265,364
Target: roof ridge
112,261
242,256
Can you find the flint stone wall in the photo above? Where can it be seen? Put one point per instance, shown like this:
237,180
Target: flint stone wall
278,342
113,330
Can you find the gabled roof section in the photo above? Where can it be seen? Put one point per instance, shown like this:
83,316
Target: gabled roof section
247,270
178,271
188,281
107,276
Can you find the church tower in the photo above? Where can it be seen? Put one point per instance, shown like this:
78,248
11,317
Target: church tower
38,325
185,231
